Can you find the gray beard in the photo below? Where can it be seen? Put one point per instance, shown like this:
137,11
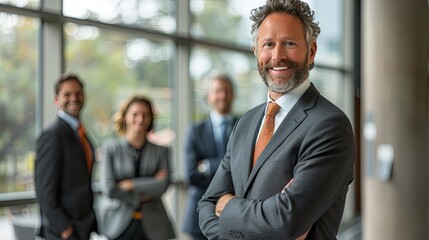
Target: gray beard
281,88
300,74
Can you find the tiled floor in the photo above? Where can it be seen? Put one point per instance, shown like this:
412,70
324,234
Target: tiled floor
6,229
350,232
7,232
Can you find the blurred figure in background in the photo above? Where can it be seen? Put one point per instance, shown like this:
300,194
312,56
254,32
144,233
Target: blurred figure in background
134,175
205,146
63,168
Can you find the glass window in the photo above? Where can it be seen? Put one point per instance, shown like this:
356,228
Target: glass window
18,61
114,66
331,85
222,20
208,21
330,43
33,4
249,88
158,15
19,221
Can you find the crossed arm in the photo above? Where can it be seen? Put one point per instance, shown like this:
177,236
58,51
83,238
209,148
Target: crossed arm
223,201
322,172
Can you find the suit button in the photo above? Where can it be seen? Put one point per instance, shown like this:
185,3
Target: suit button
238,235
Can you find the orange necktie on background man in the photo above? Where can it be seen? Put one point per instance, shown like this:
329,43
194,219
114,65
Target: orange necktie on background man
86,146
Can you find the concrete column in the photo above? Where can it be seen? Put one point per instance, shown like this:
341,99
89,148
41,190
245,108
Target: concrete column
395,114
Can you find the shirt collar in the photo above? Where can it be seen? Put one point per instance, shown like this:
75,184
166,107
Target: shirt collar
287,100
69,119
217,118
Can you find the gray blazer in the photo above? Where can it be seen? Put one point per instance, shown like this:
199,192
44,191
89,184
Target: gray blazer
314,145
116,206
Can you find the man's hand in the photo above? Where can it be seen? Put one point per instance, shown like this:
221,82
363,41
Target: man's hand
201,167
287,185
221,203
303,236
67,233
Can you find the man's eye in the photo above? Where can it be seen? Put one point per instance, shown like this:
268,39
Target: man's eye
268,44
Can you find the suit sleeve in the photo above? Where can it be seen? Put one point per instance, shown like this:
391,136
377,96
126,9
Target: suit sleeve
324,169
146,185
221,184
192,157
150,186
108,181
48,172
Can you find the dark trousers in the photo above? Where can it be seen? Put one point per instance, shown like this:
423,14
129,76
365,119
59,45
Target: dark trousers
198,236
50,236
134,231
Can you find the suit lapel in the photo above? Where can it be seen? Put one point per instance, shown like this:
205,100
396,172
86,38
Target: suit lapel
124,164
74,140
249,144
290,123
208,133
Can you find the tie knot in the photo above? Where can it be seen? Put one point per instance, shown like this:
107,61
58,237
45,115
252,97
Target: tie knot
273,108
81,128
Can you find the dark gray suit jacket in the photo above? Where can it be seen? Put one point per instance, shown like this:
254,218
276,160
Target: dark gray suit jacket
314,145
200,144
63,183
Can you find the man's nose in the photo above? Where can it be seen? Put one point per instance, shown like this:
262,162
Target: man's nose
222,94
74,97
279,53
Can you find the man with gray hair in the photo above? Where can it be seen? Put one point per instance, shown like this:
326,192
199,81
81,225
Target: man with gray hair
297,135
205,146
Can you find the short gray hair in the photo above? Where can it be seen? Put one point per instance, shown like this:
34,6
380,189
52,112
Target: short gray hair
220,77
292,7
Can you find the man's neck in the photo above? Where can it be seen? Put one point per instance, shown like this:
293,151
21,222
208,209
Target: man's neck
224,113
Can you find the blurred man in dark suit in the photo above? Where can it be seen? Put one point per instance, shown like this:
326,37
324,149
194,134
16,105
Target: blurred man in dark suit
63,168
205,146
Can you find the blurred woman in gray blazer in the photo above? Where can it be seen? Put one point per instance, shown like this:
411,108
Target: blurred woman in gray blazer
134,174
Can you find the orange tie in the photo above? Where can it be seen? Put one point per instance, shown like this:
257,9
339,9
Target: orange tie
86,146
267,130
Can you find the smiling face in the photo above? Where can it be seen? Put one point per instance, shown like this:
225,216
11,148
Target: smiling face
138,118
220,96
70,98
282,53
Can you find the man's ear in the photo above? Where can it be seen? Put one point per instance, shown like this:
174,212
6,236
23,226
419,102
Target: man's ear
313,50
56,100
255,50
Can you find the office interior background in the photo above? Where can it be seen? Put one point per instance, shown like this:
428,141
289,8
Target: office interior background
167,49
